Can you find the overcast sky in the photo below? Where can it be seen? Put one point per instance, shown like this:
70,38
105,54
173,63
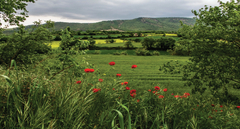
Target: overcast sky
91,11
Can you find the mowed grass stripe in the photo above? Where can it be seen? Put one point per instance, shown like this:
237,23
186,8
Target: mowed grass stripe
142,77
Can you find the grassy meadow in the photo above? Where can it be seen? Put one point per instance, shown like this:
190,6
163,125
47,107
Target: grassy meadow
108,91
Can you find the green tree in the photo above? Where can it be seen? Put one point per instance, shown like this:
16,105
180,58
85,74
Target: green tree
10,6
128,44
215,63
148,43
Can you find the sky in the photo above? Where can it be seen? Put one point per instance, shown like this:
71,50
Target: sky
92,11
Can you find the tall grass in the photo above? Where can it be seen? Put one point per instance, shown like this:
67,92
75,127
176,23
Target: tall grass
31,98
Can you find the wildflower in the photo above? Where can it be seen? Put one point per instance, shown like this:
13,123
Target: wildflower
113,89
118,75
149,90
165,90
101,80
87,70
210,117
221,110
133,95
176,96
160,96
133,91
138,100
212,105
112,63
95,90
122,84
154,92
157,88
221,106
125,83
134,66
127,88
186,94
78,82
172,94
238,106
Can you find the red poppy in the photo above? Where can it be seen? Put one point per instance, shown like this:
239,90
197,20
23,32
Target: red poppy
221,106
87,70
172,94
176,96
133,95
138,100
210,117
78,82
165,90
186,94
101,80
125,83
112,63
221,110
212,105
122,84
134,66
154,92
133,91
127,88
157,88
118,75
149,90
160,96
96,90
238,106
113,89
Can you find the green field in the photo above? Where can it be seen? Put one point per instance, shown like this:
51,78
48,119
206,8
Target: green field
146,75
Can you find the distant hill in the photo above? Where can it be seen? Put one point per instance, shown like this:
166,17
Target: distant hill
138,24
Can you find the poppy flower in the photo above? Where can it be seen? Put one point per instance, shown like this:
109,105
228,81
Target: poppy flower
138,100
133,95
122,84
165,90
134,66
154,92
157,88
87,70
212,105
112,63
95,90
125,83
78,82
101,80
238,106
149,90
221,106
127,88
187,94
118,75
172,94
176,96
113,89
160,96
133,91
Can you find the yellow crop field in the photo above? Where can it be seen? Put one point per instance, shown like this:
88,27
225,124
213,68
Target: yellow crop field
56,44
102,41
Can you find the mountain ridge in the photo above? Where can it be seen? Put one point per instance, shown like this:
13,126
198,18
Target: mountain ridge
137,24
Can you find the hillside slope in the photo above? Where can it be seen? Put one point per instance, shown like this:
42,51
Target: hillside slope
138,24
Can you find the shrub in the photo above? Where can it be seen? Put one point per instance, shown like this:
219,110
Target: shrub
128,44
58,38
143,52
97,52
156,53
124,53
116,53
85,37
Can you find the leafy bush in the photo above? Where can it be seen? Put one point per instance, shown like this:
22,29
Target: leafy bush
85,37
148,43
4,39
25,48
97,52
57,38
137,40
165,43
124,53
143,52
156,53
116,53
128,44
